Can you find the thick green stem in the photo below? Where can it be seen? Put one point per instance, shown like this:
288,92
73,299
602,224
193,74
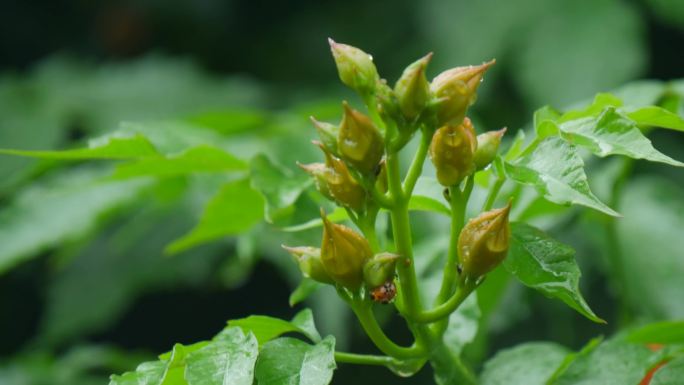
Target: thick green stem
363,359
417,164
458,207
401,231
364,313
444,310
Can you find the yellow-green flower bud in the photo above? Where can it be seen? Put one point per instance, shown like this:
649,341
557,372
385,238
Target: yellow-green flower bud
344,253
412,88
487,147
328,134
379,269
359,141
338,182
452,150
484,241
355,67
309,261
321,174
456,90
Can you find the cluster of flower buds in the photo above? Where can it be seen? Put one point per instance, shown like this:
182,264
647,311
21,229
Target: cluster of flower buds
483,243
345,258
355,151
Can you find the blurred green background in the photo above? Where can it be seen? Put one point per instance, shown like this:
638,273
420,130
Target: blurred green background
85,286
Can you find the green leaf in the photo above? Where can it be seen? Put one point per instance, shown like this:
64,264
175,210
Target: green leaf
305,288
230,121
36,219
266,328
657,117
546,265
235,209
123,262
423,203
556,170
116,146
175,367
667,332
650,240
288,361
531,363
229,359
463,324
196,159
167,371
279,187
428,196
544,121
517,146
598,105
571,357
337,215
670,374
612,133
147,373
613,362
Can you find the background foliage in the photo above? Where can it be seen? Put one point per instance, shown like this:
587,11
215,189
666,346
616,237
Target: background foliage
106,263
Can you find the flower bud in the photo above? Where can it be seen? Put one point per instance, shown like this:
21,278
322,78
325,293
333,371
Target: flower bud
483,243
355,67
336,182
487,147
452,150
359,141
322,175
309,261
455,89
412,88
379,269
344,253
328,134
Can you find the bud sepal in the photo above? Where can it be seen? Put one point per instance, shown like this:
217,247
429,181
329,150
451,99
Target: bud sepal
452,150
379,269
309,261
455,89
484,241
344,253
359,142
355,67
487,147
412,89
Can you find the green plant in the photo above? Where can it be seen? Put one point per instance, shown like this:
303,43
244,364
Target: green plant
437,296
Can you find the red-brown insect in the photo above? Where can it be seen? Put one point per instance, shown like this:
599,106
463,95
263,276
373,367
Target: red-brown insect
384,293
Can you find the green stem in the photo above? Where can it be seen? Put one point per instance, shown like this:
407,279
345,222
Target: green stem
370,325
401,231
381,199
444,310
493,193
367,225
363,359
416,167
458,207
